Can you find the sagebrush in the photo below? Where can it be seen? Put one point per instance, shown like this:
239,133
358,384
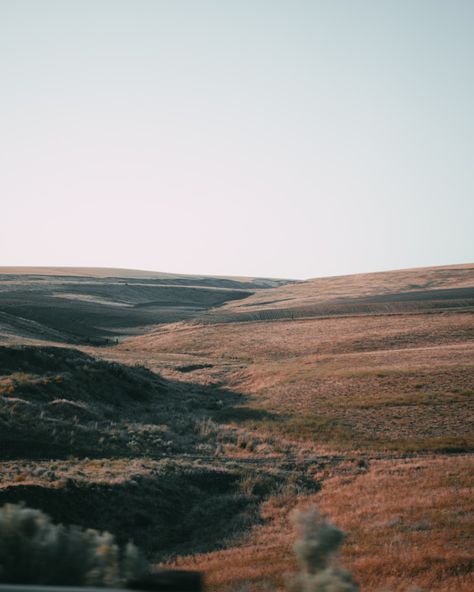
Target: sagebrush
33,550
315,549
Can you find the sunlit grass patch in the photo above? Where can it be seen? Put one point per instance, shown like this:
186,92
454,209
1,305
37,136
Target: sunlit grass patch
415,398
305,427
440,444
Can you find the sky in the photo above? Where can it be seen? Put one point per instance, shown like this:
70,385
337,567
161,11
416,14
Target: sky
271,138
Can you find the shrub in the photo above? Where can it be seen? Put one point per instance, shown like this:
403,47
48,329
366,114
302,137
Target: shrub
315,549
252,483
206,428
33,550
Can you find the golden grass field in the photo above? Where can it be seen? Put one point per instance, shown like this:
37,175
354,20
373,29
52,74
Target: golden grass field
382,385
409,522
363,384
396,382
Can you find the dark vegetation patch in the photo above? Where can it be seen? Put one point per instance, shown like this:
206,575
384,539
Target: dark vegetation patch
97,310
72,372
320,428
177,510
121,414
59,402
435,444
193,367
462,294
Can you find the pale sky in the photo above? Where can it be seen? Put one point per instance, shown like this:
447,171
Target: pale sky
277,138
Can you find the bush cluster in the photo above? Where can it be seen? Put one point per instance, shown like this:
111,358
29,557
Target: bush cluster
33,550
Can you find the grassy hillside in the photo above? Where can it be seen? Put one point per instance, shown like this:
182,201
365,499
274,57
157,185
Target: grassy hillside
409,523
400,381
207,431
56,402
166,508
115,447
69,305
433,289
325,370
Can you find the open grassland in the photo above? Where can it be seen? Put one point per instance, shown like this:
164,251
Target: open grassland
197,438
389,385
412,523
395,382
408,522
411,290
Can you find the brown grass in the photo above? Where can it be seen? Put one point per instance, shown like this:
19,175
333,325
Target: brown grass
408,523
291,393
397,382
416,289
394,383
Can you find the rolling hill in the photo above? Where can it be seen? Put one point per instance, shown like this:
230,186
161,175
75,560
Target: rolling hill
209,408
83,305
413,290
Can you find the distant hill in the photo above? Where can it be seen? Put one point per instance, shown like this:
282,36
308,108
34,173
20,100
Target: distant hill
374,361
88,305
409,290
116,272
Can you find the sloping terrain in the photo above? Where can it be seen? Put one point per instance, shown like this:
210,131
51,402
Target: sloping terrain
55,402
165,508
119,448
322,368
394,382
99,305
400,379
409,526
211,428
432,289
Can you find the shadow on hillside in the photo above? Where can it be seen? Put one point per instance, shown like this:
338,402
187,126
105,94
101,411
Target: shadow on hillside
86,310
60,402
171,513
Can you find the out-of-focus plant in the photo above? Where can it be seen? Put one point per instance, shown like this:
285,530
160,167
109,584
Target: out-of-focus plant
33,550
315,548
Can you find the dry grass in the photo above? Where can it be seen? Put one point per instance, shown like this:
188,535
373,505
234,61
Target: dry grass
284,393
314,292
397,382
265,341
394,383
58,473
408,523
260,560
